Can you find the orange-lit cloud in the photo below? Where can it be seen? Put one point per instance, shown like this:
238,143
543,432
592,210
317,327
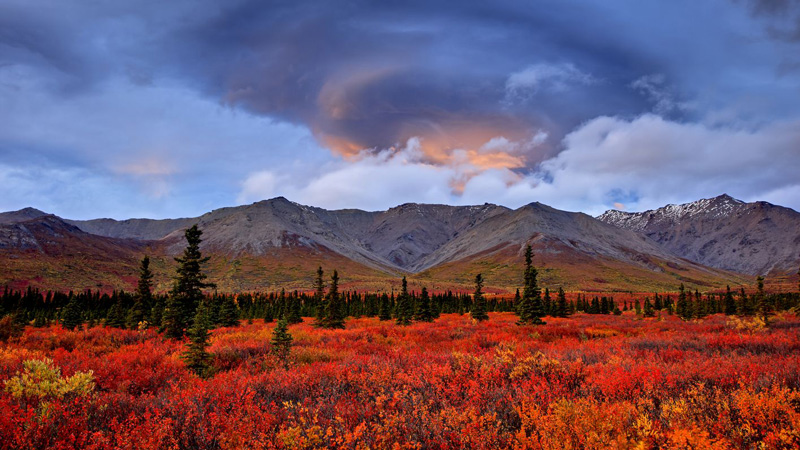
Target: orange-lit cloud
469,150
354,119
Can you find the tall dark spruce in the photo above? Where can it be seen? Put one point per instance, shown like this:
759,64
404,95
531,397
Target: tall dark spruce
196,357
683,308
478,301
404,309
71,314
144,296
187,292
294,315
730,303
531,308
281,342
423,312
562,309
385,308
334,309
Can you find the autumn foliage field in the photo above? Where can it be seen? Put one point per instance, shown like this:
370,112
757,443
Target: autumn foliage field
587,381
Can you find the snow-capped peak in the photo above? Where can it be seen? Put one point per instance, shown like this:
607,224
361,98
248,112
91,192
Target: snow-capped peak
716,207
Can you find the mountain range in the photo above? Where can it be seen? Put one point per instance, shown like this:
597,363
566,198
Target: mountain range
278,244
756,238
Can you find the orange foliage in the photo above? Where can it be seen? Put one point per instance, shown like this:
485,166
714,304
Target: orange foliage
588,381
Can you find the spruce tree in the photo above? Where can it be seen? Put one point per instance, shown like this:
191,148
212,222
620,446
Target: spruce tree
269,315
385,309
648,308
281,342
228,312
605,306
525,306
405,310
478,301
294,315
334,309
742,307
530,306
144,296
700,309
172,318
547,303
280,305
196,357
730,303
187,292
319,297
682,308
156,313
436,307
466,303
423,312
116,315
71,314
594,306
562,309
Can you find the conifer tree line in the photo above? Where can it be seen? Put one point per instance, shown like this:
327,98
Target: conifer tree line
595,305
93,307
132,310
759,304
120,309
178,312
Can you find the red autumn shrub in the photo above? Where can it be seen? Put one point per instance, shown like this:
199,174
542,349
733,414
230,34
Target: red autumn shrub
587,381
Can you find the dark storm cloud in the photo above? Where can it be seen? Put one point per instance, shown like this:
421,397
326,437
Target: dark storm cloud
365,75
74,46
246,97
358,74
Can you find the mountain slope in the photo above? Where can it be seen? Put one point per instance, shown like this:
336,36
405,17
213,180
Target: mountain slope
722,232
48,252
572,249
278,243
393,240
278,223
407,234
142,229
21,215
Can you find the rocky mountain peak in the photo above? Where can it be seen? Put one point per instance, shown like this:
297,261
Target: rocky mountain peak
21,215
721,232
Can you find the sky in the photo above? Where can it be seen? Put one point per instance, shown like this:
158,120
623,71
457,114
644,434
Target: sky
118,108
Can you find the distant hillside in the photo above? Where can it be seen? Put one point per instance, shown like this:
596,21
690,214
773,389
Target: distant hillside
722,232
573,250
48,252
21,215
278,243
